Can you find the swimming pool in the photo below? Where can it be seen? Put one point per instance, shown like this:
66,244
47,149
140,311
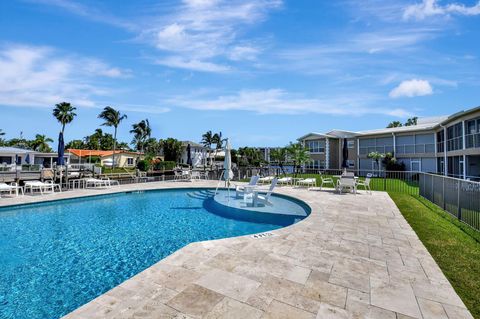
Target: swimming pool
56,256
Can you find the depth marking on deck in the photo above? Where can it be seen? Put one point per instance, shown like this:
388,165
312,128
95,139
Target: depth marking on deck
262,235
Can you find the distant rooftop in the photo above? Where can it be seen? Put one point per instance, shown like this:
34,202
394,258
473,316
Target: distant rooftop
15,150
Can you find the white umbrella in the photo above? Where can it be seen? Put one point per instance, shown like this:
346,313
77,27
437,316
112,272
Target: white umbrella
227,164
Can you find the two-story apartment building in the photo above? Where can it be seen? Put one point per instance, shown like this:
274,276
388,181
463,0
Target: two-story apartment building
448,145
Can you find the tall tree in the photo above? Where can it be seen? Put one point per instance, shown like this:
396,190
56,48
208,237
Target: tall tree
113,118
172,149
141,133
40,143
299,155
394,124
411,121
208,141
64,113
76,144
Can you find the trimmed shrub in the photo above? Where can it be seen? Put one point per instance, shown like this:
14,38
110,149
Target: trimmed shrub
143,165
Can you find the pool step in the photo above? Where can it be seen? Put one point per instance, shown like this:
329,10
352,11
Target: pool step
204,194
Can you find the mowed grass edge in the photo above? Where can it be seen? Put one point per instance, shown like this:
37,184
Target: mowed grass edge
454,246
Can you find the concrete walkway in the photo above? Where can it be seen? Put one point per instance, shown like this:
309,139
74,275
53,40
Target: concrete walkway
353,257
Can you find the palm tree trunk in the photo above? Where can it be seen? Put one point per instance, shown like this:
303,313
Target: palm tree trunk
114,147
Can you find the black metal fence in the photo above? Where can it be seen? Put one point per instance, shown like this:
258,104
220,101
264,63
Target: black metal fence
458,197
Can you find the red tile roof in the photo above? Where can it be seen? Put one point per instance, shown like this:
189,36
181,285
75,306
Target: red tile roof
83,153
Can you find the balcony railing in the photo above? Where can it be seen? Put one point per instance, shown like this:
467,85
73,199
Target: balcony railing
455,143
472,140
415,148
400,149
379,149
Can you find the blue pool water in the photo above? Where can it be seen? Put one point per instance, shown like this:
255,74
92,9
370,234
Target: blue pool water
56,256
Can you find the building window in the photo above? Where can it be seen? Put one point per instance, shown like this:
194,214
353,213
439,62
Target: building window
130,161
315,146
351,143
315,164
455,137
472,134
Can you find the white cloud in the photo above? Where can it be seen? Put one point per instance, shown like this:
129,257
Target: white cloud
277,101
411,88
429,8
242,52
40,77
194,65
88,12
201,31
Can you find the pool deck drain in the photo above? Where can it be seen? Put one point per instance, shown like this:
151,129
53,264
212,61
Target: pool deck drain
353,257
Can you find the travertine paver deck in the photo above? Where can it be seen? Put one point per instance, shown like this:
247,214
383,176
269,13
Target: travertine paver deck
353,257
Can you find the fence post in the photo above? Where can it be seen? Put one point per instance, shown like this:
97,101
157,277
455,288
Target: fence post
459,209
443,193
384,182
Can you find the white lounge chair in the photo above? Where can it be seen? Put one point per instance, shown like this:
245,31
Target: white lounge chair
326,181
285,181
42,187
308,182
100,183
13,187
266,179
347,182
241,189
366,183
260,196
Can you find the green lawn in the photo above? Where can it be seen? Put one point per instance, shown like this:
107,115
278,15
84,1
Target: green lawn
454,246
377,184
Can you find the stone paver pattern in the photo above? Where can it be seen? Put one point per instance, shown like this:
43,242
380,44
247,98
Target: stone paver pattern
355,256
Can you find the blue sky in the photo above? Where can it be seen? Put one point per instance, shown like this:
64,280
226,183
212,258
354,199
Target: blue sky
263,72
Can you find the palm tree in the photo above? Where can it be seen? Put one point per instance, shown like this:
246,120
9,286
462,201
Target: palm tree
207,141
40,143
279,156
376,156
64,113
113,118
141,133
299,155
394,124
411,121
2,141
218,141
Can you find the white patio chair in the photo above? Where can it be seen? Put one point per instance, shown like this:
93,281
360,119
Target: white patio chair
366,183
241,189
326,181
347,182
261,196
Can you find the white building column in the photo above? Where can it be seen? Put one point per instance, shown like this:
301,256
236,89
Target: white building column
327,153
464,143
464,166
394,143
445,158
